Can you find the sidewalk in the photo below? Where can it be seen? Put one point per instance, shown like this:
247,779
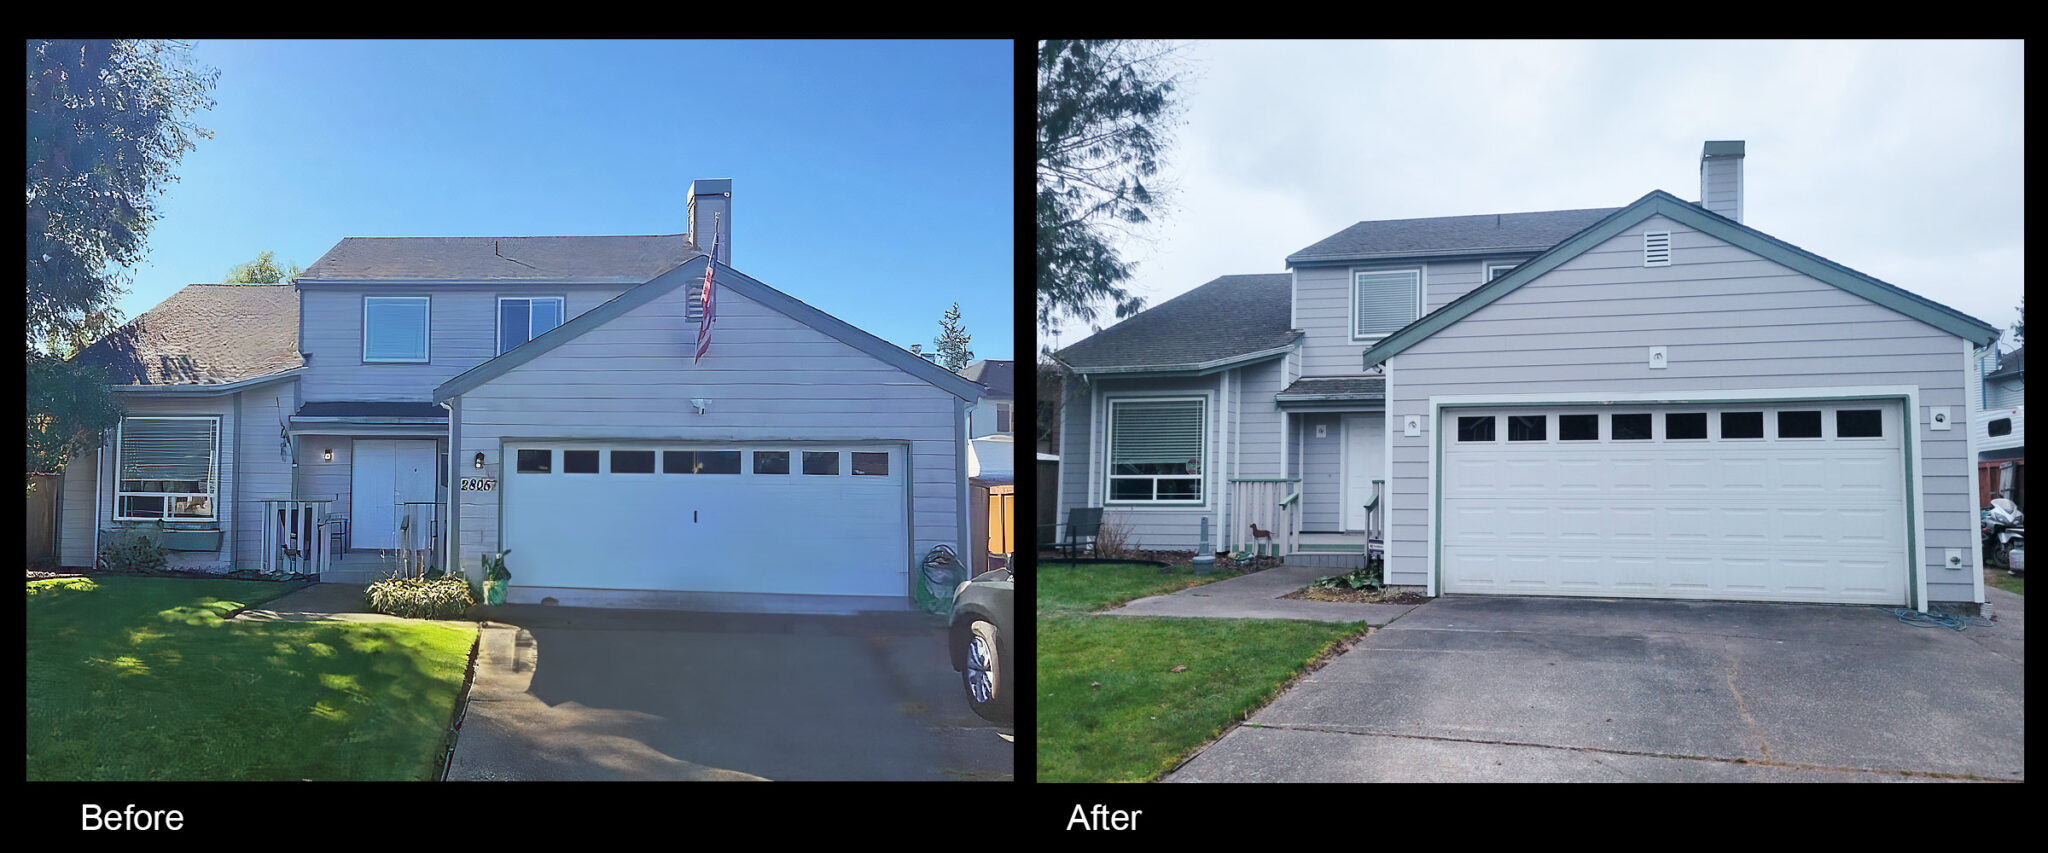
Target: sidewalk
1258,596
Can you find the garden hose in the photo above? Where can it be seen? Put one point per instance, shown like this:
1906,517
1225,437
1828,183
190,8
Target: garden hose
1939,619
935,593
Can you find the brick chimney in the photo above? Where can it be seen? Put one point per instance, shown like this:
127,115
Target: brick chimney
711,202
1721,178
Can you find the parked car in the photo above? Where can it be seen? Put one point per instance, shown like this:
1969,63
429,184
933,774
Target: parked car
980,643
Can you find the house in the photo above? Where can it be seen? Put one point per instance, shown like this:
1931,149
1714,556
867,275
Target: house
443,398
1653,400
989,425
1998,420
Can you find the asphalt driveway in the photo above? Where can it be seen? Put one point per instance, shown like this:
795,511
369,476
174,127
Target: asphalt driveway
566,693
1563,689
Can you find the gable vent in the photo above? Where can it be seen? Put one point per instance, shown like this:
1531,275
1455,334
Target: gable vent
1656,248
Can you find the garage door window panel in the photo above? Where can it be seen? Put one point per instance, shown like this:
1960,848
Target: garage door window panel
870,464
536,461
821,463
1859,423
1742,425
1578,427
700,462
1684,426
632,461
579,461
1528,427
1799,424
1475,429
1631,427
771,461
1156,451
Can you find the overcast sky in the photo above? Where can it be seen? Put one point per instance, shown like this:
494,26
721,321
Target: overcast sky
1902,160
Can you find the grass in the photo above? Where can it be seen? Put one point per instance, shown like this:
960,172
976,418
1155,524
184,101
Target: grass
1144,718
2015,584
138,678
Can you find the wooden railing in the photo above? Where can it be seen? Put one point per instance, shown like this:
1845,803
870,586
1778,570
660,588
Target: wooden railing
295,536
1274,506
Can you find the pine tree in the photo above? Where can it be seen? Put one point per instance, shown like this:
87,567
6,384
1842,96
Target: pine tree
951,344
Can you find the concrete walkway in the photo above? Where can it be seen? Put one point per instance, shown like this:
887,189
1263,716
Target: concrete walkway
1258,596
327,602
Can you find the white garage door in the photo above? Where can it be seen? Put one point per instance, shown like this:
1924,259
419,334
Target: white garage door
1781,502
796,519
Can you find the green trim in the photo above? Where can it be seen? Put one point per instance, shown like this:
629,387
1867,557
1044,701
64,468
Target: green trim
1660,203
1291,498
693,270
1716,148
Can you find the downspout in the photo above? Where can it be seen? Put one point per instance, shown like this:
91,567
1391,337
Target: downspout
960,454
449,552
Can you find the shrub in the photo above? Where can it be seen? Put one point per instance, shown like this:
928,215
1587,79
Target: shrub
420,598
133,549
1114,541
1367,578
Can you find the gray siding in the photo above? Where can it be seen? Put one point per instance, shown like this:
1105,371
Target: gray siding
264,472
1077,453
462,333
2004,393
1730,319
768,376
1152,528
74,532
1322,307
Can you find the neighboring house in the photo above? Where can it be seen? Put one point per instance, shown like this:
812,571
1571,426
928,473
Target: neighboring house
989,423
1998,420
456,396
1646,401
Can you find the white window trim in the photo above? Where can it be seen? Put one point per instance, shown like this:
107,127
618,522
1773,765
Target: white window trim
427,347
1351,294
1108,447
1486,275
212,475
498,323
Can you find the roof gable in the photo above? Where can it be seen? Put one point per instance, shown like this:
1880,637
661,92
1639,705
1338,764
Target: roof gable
1660,203
999,377
693,271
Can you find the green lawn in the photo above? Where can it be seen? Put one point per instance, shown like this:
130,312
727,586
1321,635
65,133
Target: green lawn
2004,580
1144,719
135,678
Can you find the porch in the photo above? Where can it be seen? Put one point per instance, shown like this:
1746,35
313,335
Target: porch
309,537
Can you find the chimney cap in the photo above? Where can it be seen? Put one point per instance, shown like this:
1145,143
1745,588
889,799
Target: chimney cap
1725,148
711,186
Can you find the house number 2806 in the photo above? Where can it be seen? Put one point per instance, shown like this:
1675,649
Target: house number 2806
479,484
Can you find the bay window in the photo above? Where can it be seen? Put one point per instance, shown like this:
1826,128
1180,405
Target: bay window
167,468
1156,451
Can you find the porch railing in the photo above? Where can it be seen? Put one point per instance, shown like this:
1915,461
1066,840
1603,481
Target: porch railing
295,536
1274,506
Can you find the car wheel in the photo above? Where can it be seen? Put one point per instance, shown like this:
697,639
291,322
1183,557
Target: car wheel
986,675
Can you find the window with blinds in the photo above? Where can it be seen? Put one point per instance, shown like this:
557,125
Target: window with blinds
167,468
395,328
1383,301
1155,451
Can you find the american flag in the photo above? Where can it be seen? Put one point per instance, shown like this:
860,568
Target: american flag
704,323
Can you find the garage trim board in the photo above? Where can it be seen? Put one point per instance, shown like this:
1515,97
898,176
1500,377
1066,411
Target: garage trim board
1905,397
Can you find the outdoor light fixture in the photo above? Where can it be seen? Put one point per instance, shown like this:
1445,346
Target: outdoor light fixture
479,460
327,455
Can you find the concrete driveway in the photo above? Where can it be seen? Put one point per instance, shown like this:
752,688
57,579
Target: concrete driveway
1560,689
566,693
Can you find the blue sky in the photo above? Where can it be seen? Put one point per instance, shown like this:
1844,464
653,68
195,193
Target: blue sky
872,180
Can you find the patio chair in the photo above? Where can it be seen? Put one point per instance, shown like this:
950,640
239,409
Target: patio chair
1083,522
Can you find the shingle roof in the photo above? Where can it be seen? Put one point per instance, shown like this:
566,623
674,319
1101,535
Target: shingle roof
1452,234
1234,315
556,259
205,334
1350,388
2010,364
998,376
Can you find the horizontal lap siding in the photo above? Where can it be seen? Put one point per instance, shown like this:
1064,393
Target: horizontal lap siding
1729,320
1322,308
1175,528
767,377
265,473
462,333
1077,449
74,533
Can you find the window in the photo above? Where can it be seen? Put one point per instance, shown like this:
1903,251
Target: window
1527,427
1799,424
522,320
1475,429
632,461
536,461
2001,426
1859,423
771,461
1383,301
1631,427
870,464
1002,417
579,461
823,463
1742,425
1685,425
395,328
1578,427
167,468
1494,271
700,462
1155,450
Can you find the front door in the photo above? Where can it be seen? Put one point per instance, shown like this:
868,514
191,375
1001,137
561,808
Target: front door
386,475
1365,453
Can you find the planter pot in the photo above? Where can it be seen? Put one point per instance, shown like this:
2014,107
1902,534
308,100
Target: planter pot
494,592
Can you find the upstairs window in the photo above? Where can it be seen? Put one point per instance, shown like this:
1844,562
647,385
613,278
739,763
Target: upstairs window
395,328
1002,417
168,469
1155,451
1494,271
1383,301
521,320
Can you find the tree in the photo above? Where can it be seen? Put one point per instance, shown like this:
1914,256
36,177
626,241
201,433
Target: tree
2019,326
106,122
1106,111
262,270
951,344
